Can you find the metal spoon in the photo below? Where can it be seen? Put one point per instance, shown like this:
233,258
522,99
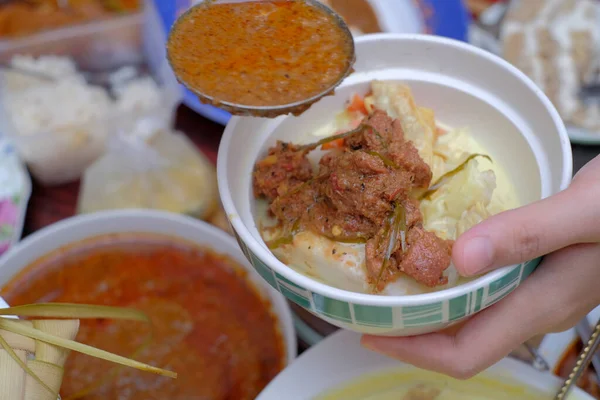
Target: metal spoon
539,362
583,361
271,111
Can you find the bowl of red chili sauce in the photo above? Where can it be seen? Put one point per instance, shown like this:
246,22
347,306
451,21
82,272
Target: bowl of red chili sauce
213,320
453,86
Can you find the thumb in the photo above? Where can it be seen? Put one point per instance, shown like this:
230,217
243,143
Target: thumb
529,232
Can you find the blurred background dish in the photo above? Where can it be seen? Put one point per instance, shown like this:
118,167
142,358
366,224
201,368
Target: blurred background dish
214,319
158,170
448,18
23,18
339,368
61,125
557,44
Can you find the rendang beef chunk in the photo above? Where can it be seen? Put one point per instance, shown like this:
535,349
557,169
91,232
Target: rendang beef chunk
362,192
284,167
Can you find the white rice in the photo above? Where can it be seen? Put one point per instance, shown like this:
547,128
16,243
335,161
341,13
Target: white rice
38,106
69,118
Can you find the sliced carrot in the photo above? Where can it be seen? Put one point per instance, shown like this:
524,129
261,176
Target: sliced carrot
357,104
334,144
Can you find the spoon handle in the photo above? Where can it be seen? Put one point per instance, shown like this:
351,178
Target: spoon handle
583,361
539,362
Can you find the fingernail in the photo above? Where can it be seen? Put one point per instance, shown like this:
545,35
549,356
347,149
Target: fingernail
478,255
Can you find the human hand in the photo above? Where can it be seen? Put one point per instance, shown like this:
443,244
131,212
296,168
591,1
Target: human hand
567,227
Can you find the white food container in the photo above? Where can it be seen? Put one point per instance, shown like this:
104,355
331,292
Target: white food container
60,155
466,87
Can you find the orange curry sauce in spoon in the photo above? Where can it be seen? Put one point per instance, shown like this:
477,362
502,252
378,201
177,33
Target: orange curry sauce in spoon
261,58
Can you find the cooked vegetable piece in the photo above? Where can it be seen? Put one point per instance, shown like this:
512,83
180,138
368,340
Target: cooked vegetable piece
386,160
357,104
444,178
313,146
397,226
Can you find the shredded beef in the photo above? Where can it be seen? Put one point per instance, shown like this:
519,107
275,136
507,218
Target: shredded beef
283,168
381,132
360,183
353,195
385,136
407,156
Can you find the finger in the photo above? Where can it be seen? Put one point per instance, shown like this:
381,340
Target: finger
481,342
529,232
492,334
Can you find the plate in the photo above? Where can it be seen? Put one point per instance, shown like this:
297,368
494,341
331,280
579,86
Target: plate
583,136
397,16
340,360
15,190
486,40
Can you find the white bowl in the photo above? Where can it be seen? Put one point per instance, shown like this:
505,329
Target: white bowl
555,345
465,86
339,360
144,221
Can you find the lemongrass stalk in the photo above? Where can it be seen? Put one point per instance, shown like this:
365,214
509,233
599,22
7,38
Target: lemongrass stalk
62,328
75,311
12,378
50,374
33,333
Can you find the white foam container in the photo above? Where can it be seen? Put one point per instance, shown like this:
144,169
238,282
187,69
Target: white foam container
466,87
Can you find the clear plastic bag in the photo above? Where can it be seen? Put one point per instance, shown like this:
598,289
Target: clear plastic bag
161,171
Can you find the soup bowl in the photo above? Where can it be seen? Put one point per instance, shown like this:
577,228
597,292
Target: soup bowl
76,229
465,86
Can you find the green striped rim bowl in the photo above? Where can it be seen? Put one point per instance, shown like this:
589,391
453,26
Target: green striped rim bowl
465,86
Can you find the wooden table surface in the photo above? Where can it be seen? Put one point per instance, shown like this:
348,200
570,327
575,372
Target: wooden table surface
50,204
